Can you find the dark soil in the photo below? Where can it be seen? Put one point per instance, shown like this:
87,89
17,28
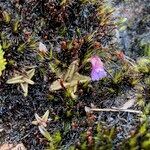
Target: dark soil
52,24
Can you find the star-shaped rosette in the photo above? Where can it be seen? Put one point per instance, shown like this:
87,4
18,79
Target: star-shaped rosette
24,79
69,80
41,121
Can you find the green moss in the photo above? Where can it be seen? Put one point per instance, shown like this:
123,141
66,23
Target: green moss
2,61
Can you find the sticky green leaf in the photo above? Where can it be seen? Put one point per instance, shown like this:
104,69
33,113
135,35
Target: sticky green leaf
28,81
71,70
23,80
45,116
24,87
17,79
31,73
70,80
45,133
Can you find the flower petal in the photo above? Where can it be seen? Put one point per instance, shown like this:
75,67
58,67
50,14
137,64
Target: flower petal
42,48
96,61
98,74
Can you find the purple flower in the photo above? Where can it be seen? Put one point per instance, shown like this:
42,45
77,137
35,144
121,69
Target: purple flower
98,72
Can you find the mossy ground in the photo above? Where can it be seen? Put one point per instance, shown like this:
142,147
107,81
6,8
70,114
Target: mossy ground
67,31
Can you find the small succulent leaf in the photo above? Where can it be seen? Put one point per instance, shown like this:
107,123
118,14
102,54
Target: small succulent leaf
45,116
28,81
34,122
16,26
24,87
79,78
111,134
45,133
72,91
73,95
82,78
17,79
57,86
75,89
41,121
73,83
31,73
38,118
71,70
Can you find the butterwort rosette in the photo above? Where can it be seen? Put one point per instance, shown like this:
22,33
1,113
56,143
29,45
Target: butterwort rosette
98,72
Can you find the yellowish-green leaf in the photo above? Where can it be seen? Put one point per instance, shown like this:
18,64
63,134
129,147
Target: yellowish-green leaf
41,121
38,119
71,70
81,78
28,81
23,80
24,87
57,86
45,133
45,116
31,73
70,80
72,90
73,95
17,79
89,37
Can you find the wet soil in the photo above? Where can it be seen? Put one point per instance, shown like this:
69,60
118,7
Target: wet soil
51,23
